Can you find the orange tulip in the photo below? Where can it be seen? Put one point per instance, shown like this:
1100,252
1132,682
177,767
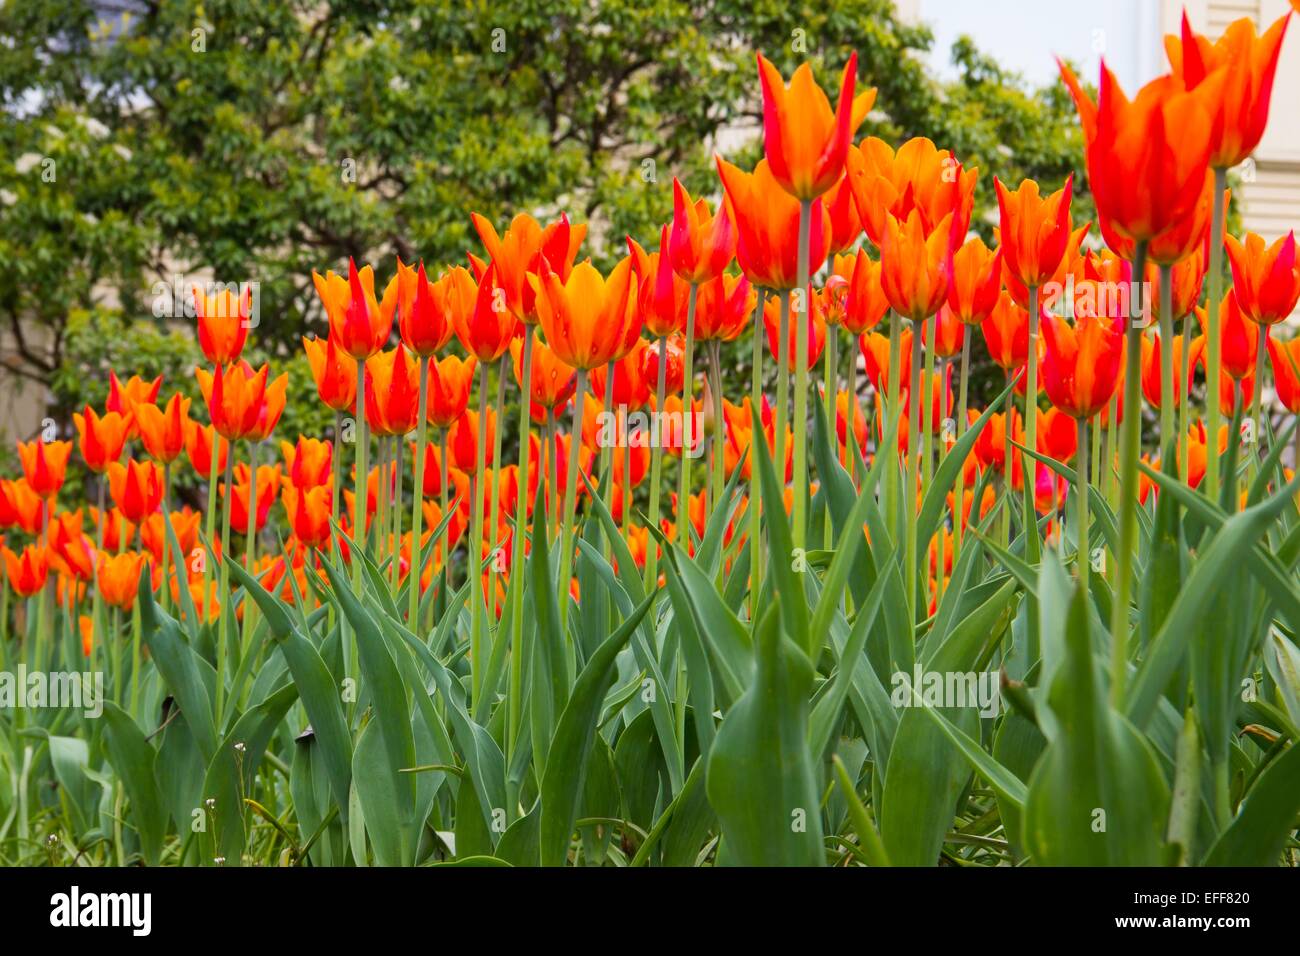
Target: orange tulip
309,462
334,372
740,438
101,437
45,465
119,577
268,480
271,408
632,385
198,446
948,333
843,402
1151,357
522,250
805,141
662,295
1238,337
185,524
588,320
235,398
422,321
71,552
21,507
27,572
392,392
976,281
674,361
123,398
487,329
846,224
136,487
865,304
875,355
224,321
1239,108
919,177
701,243
357,324
1286,372
163,431
1006,332
915,265
117,530
457,480
723,308
991,444
1232,390
1266,280
816,331
1082,362
462,440
450,381
1180,240
1185,279
1146,157
1035,231
767,223
309,510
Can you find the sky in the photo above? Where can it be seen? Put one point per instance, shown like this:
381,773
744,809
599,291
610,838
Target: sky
1024,35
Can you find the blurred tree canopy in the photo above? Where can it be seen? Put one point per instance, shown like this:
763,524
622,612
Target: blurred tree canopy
256,140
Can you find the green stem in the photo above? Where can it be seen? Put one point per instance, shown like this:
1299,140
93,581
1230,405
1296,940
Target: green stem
223,622
417,500
570,498
756,434
495,510
1214,358
1184,395
515,698
801,381
688,409
782,383
474,561
960,500
397,515
719,422
1081,502
913,469
1032,540
656,464
1130,446
1167,400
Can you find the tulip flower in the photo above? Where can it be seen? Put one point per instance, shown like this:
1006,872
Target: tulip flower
392,392
767,224
101,437
1081,365
235,397
334,372
588,320
21,507
487,330
422,308
723,308
45,465
1285,357
915,266
1266,281
71,552
866,304
816,333
119,577
123,398
26,572
198,446
163,430
948,336
701,243
1238,337
308,463
976,281
1006,332
450,381
185,525
1035,230
357,325
309,513
846,224
116,530
805,142
1152,349
1238,110
522,250
631,384
224,321
875,354
136,487
242,495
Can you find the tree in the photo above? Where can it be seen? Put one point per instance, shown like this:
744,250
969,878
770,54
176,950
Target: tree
257,140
